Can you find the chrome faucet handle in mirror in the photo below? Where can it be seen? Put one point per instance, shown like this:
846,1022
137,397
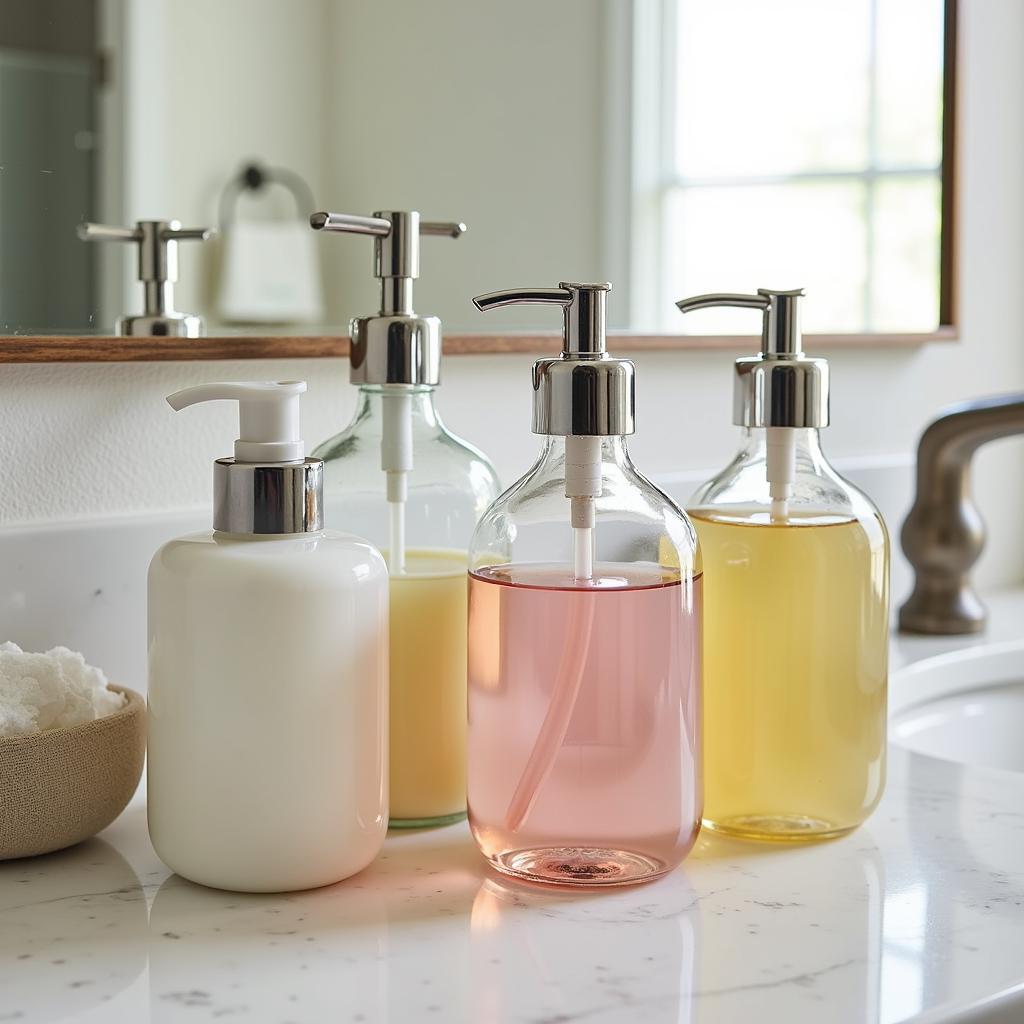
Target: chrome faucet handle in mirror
158,270
396,346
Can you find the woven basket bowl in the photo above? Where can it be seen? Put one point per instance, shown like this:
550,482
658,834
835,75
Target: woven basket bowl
61,786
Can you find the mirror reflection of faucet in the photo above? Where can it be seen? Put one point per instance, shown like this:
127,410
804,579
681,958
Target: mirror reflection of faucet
158,270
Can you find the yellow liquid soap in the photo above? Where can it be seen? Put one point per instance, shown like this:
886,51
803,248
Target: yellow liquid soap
428,689
795,672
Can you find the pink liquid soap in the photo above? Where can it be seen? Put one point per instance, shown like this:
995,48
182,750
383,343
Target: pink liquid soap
584,721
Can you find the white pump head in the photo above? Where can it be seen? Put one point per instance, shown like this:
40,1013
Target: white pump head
268,416
268,487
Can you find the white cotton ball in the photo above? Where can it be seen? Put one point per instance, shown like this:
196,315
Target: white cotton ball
18,715
90,682
52,690
22,688
77,704
106,702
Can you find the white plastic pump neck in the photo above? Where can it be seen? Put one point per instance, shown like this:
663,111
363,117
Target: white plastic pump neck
582,485
268,416
396,459
780,459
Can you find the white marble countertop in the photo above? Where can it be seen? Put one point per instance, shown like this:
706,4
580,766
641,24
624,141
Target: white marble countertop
917,915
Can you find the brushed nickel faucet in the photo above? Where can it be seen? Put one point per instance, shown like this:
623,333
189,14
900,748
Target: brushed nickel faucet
944,534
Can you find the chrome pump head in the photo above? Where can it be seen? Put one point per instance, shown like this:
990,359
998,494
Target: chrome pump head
158,270
396,346
584,392
781,387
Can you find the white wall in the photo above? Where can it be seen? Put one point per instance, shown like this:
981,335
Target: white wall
245,79
99,441
440,117
487,112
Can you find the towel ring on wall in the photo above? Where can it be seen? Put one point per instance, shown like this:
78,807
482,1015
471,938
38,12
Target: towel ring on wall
254,178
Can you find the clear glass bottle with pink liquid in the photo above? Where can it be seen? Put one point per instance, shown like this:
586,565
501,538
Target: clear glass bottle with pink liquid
584,637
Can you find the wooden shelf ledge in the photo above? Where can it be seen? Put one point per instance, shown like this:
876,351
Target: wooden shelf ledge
112,349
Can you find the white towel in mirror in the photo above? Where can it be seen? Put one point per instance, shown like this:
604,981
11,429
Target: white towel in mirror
270,273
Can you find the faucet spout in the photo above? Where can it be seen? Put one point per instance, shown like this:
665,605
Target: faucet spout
944,533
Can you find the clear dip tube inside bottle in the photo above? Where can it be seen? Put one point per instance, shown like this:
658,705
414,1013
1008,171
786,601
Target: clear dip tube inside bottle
584,638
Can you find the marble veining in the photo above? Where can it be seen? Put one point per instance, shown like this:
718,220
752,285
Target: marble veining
916,915
922,908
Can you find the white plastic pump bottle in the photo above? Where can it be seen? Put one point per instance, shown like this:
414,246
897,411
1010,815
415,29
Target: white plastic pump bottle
267,672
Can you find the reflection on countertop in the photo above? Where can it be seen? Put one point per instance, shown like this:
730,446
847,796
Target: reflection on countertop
923,908
915,915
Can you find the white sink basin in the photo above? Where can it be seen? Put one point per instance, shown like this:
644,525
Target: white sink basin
967,706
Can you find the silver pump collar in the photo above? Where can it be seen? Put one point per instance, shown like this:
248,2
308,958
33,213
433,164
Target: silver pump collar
268,498
395,346
585,391
781,386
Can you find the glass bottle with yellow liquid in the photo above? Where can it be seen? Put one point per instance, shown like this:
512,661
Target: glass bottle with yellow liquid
796,597
416,491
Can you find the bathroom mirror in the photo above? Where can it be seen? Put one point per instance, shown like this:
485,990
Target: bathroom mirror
669,146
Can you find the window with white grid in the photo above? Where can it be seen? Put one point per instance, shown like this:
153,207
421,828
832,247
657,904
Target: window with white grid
791,143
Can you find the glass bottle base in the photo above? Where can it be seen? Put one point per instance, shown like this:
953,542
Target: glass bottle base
579,865
778,828
435,822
